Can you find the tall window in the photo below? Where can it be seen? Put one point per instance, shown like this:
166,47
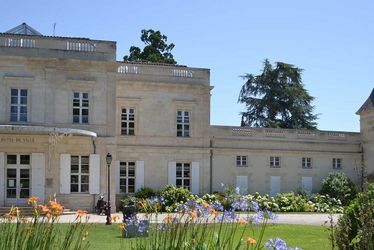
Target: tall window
127,177
128,121
183,175
183,123
275,162
79,174
336,163
18,105
241,161
80,107
306,162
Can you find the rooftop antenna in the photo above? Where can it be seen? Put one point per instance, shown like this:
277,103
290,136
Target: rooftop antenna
54,28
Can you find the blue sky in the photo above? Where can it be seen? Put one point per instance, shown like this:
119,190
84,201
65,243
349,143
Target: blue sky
333,41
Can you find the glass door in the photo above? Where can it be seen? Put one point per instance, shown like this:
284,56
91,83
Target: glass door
17,179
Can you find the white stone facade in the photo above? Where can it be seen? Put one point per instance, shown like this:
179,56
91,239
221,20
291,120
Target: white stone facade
65,103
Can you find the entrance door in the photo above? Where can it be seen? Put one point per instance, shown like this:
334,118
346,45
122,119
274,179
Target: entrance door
17,179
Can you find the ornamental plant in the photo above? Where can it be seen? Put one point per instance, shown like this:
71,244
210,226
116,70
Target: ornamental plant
40,231
338,185
197,224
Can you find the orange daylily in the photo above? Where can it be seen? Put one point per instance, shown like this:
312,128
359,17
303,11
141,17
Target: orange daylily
251,241
122,226
192,214
168,218
81,213
32,200
114,218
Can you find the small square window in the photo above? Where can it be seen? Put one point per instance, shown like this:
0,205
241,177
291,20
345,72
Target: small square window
241,161
306,162
275,162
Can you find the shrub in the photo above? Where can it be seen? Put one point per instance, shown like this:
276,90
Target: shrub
290,202
355,227
339,186
173,196
145,193
326,204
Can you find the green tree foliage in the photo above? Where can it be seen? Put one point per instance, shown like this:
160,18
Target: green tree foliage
338,185
355,226
277,98
156,49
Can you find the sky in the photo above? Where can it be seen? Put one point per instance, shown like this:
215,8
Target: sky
333,41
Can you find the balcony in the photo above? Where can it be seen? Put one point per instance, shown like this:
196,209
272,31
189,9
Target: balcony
57,47
162,73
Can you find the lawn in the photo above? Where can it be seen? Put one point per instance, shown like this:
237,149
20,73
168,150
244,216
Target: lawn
102,236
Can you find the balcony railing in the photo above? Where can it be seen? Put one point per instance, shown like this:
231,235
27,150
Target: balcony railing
162,73
20,42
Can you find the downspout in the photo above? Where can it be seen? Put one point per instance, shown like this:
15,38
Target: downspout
93,195
211,167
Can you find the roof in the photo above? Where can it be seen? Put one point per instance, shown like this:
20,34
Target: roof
368,104
24,29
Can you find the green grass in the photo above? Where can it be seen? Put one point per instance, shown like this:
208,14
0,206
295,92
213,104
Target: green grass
102,236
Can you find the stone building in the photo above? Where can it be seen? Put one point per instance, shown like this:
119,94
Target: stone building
66,102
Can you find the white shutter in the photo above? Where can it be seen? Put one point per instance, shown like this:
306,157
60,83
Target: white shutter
94,174
38,176
117,175
195,177
139,175
242,183
65,162
172,172
274,185
307,184
2,178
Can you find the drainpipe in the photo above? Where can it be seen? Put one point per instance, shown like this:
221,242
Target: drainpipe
93,195
211,167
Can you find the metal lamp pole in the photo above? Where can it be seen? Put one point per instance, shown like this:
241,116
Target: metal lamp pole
108,159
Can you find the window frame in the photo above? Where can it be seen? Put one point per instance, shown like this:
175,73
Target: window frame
128,121
275,162
183,132
80,108
183,178
126,165
18,105
241,161
306,162
337,163
79,174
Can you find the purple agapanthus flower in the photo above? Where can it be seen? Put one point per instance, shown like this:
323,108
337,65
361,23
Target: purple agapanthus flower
263,215
240,205
255,206
277,244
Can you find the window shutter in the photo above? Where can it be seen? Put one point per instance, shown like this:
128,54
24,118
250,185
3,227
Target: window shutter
274,185
139,175
2,178
172,172
195,177
117,174
38,175
65,162
242,183
94,174
307,184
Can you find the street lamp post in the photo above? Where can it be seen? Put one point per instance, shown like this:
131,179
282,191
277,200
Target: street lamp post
108,159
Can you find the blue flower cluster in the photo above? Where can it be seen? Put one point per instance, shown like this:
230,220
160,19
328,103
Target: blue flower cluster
278,244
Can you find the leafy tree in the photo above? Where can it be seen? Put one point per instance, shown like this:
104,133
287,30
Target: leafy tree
156,49
277,98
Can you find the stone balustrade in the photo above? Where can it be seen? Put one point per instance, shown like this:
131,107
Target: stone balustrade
162,73
293,134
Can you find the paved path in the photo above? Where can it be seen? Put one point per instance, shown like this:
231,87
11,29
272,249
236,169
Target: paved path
303,219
